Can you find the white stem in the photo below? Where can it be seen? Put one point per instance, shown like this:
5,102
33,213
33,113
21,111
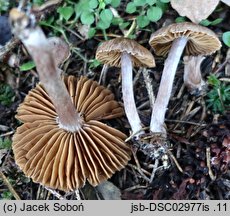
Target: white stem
38,47
192,73
128,95
165,89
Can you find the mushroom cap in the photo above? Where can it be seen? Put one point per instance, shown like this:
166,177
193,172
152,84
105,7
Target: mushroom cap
109,52
65,160
201,40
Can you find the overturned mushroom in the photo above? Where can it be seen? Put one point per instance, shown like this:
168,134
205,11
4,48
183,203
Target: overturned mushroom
126,53
61,143
172,40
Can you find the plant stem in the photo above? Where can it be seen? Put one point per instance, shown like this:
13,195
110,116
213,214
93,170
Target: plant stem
165,89
38,47
128,95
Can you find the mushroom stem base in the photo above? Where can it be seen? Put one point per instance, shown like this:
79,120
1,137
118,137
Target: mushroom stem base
165,89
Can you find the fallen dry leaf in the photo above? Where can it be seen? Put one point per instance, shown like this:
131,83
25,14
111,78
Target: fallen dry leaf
195,10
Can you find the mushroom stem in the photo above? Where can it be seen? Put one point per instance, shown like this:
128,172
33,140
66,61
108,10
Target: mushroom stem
38,47
128,95
192,73
165,89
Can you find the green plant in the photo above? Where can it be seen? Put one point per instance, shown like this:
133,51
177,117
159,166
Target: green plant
6,195
6,94
226,38
218,98
5,143
95,14
27,66
207,22
4,5
147,10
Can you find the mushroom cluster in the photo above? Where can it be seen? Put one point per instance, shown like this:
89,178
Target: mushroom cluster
61,143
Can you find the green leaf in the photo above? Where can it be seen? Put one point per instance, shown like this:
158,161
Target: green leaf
82,6
154,13
102,5
216,21
124,25
95,63
165,1
115,3
65,12
180,19
226,38
103,25
142,21
117,20
107,1
139,2
93,4
151,2
91,32
213,80
87,18
27,66
205,22
130,8
162,5
106,15
36,2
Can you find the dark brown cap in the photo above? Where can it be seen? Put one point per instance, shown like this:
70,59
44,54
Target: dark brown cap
201,40
65,160
109,52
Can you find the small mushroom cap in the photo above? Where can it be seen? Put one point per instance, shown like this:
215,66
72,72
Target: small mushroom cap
65,160
109,52
201,40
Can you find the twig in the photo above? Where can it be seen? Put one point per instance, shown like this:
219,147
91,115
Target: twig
140,172
7,134
175,161
103,74
77,193
208,158
185,122
135,187
155,166
221,67
10,187
55,193
149,87
8,47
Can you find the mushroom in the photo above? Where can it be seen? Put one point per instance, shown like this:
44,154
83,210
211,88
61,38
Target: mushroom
192,73
172,40
61,143
196,11
126,53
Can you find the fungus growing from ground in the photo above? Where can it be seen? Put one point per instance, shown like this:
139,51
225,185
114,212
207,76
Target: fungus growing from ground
126,53
172,40
61,143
